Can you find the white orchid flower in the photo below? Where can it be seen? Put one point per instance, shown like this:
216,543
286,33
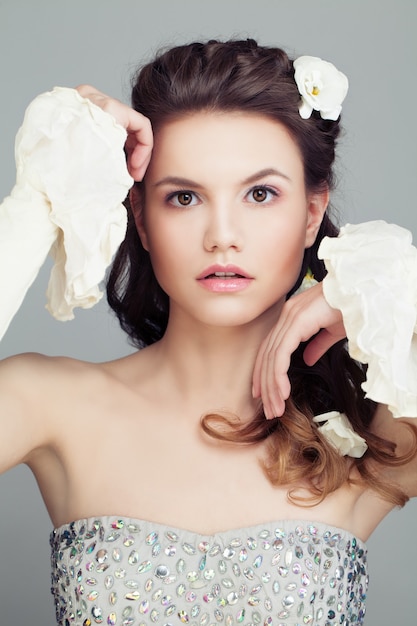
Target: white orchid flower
339,432
322,87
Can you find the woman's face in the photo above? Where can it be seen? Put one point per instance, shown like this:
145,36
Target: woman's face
226,216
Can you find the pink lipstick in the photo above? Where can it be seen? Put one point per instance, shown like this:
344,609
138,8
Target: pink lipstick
224,279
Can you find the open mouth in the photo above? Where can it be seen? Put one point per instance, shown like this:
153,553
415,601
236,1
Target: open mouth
224,275
224,280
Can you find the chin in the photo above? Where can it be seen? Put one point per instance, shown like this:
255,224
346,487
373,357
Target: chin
236,319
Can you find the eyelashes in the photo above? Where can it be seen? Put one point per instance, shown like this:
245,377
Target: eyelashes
183,198
262,194
258,194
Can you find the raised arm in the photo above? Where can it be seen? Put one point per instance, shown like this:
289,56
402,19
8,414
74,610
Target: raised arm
72,178
369,295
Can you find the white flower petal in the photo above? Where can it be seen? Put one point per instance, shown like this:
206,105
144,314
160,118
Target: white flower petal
321,86
305,109
331,115
339,432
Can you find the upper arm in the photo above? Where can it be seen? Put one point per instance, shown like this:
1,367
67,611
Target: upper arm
397,430
23,399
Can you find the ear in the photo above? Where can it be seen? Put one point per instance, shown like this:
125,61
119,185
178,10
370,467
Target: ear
136,204
316,207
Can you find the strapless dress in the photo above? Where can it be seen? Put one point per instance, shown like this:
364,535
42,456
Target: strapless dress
128,572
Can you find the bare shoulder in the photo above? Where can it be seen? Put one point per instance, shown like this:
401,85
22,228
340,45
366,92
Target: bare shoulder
43,382
35,390
22,377
403,432
27,375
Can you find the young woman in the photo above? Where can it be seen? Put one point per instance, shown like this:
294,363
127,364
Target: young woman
195,481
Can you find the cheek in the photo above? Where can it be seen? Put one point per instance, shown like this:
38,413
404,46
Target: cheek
170,253
288,235
283,250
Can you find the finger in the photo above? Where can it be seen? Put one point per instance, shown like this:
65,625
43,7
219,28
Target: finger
138,161
319,345
270,391
294,327
274,386
300,319
139,140
259,376
256,377
139,144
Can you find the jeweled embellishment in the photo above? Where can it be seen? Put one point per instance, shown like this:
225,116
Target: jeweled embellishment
302,574
181,589
258,561
133,596
170,550
188,548
171,536
144,567
97,614
112,619
117,555
91,547
118,524
152,538
184,617
128,541
144,607
93,595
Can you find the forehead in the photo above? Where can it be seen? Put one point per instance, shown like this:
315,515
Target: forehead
233,142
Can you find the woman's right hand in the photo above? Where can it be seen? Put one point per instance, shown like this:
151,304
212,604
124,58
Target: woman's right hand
139,140
302,316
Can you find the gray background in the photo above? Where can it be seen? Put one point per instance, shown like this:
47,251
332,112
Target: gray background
51,42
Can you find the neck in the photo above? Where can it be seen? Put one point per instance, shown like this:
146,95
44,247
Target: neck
213,366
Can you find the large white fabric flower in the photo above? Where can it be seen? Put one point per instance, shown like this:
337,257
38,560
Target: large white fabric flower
322,87
339,432
372,280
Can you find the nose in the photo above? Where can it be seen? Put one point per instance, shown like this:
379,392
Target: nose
223,229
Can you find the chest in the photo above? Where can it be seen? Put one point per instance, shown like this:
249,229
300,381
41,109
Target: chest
159,470
126,460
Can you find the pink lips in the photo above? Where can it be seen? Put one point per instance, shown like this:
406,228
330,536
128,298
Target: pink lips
224,278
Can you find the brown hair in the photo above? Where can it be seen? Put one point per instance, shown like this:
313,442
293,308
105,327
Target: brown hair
243,76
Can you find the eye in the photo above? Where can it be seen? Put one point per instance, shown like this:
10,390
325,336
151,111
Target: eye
182,198
261,194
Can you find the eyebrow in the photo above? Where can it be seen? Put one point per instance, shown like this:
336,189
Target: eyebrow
269,171
176,180
187,182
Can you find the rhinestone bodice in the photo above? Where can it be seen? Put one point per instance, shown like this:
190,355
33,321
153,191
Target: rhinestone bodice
127,572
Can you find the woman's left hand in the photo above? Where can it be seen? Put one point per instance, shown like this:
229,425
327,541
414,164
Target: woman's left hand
302,316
